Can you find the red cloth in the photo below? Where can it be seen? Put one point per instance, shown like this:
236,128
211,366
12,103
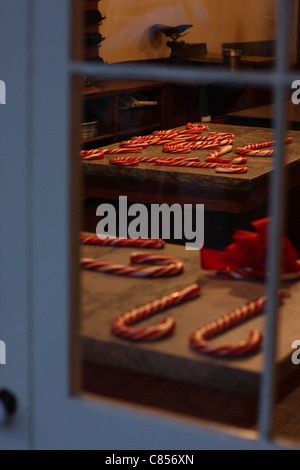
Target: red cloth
248,252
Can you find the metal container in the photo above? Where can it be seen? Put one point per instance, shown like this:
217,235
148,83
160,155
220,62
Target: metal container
232,58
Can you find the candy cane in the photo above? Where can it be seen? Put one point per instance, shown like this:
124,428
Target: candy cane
144,137
91,152
122,150
122,242
255,149
251,344
166,141
93,156
197,127
228,141
130,143
199,145
169,266
231,169
134,161
232,161
177,144
220,152
120,326
187,137
124,161
255,153
218,167
222,134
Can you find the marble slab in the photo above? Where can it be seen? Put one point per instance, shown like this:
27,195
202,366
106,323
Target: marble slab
103,297
258,168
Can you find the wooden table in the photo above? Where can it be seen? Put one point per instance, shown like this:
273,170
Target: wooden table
105,297
230,193
231,201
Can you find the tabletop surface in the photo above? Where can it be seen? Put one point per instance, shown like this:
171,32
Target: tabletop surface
104,297
258,167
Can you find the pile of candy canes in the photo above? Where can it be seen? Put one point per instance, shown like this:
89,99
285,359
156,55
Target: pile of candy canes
163,266
183,142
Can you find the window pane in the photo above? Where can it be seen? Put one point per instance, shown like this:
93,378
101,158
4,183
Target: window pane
187,371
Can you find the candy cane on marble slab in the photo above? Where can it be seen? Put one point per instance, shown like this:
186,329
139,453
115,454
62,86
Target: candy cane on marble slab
92,156
122,242
122,150
198,339
256,149
231,161
121,326
220,152
160,266
220,168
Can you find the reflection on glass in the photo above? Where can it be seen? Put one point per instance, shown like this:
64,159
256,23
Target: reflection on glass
202,361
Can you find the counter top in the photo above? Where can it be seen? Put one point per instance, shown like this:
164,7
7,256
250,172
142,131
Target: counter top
235,192
105,297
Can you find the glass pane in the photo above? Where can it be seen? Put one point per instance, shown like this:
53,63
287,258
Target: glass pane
188,370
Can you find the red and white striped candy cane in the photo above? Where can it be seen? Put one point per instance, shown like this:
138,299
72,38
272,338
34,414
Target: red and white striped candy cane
122,242
231,169
125,161
176,148
220,152
94,154
122,150
198,339
177,144
256,149
134,161
228,141
121,325
232,161
184,162
164,141
209,144
221,168
222,134
91,152
196,127
144,137
165,266
187,137
130,143
255,153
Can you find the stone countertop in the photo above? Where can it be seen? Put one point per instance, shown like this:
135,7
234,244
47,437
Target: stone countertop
258,167
104,297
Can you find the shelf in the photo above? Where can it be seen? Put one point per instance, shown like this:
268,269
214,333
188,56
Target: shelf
106,107
98,137
140,129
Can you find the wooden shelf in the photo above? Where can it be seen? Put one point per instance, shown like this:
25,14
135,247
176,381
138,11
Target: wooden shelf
114,122
132,130
98,137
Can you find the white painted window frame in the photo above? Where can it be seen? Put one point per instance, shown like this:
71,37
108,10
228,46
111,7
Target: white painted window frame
39,201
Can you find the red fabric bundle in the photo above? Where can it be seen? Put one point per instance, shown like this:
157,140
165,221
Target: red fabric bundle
246,256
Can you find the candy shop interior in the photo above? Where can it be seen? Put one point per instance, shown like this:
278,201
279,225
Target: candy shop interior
179,166
160,275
